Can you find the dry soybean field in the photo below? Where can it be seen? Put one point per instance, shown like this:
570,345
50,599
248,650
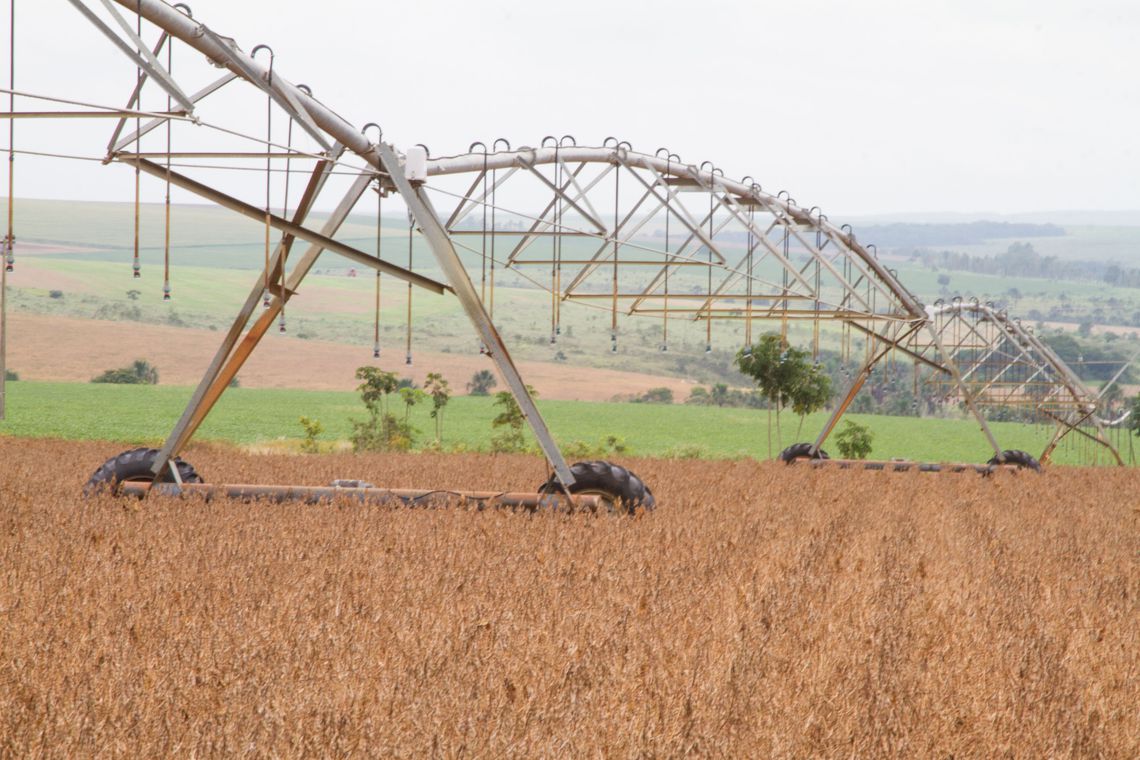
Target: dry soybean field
761,611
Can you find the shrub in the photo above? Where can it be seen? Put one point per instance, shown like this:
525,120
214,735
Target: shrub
313,428
140,372
381,431
686,451
660,395
11,375
510,438
854,440
481,383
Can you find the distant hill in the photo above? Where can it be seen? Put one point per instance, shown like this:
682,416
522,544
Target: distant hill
1065,218
909,235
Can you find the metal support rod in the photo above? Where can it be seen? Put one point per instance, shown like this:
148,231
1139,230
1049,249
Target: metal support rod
218,375
159,120
78,114
444,251
367,495
1066,426
861,378
296,230
965,390
841,409
147,63
10,237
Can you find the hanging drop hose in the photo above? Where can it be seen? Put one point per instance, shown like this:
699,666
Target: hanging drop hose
379,251
748,282
712,215
554,246
494,206
668,259
483,234
10,239
136,268
408,347
613,307
268,164
285,215
166,229
376,321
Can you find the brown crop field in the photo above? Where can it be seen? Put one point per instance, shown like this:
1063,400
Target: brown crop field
761,611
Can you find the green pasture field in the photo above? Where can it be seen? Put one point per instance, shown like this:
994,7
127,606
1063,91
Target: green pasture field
144,415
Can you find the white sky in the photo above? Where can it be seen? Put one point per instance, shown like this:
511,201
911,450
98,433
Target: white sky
876,106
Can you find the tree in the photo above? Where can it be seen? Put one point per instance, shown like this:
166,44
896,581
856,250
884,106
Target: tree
481,383
440,393
854,440
381,431
313,428
511,419
785,376
1134,418
411,396
718,394
811,394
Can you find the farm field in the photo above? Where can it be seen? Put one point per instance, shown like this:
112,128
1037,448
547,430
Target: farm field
68,349
268,417
760,611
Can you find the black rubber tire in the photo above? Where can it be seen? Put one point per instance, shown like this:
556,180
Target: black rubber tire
626,490
801,451
1023,460
134,465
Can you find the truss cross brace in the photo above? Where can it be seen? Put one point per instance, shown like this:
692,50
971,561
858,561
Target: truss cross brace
444,250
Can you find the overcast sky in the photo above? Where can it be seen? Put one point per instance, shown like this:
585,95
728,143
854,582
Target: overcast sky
877,106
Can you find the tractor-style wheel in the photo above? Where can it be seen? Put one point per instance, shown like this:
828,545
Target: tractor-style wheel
621,489
801,451
1023,459
134,466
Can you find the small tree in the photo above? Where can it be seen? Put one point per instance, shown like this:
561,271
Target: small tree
785,377
439,390
381,431
811,394
854,440
313,428
481,383
410,396
511,420
1134,418
718,394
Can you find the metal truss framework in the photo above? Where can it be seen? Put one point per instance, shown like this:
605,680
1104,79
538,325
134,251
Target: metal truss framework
1007,366
638,234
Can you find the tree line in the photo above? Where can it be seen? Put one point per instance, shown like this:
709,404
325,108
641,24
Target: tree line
1022,260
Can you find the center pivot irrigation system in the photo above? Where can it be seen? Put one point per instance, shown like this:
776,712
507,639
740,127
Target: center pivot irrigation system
625,232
